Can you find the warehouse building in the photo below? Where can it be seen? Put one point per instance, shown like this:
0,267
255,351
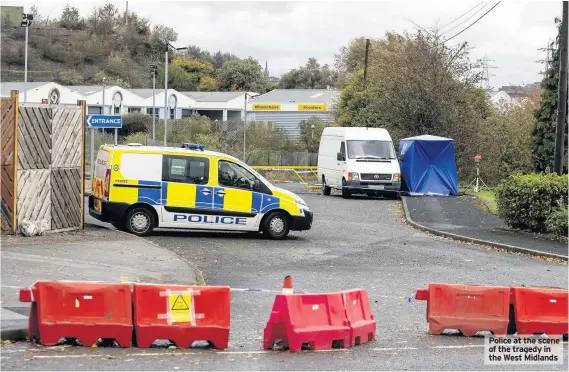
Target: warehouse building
286,108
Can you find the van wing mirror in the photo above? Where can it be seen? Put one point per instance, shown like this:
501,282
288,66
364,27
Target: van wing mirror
401,157
255,185
340,157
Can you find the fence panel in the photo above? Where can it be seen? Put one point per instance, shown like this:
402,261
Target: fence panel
34,137
8,130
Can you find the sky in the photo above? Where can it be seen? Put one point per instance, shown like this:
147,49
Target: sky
286,34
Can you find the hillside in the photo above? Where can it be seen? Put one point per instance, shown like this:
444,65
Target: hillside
105,47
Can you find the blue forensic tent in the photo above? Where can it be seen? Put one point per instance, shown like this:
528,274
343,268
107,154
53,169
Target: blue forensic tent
428,165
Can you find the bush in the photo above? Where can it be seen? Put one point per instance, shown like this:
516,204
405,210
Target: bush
557,222
526,201
69,77
134,123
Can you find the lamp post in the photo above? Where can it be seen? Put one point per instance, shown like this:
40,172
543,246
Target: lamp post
153,70
166,110
26,22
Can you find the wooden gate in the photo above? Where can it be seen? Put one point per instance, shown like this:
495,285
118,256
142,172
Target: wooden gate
42,165
9,110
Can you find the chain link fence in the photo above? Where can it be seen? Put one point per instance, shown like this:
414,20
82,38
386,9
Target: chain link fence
265,145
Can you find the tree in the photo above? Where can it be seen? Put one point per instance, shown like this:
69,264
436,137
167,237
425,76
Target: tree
34,11
195,52
310,76
218,59
160,36
546,117
241,75
310,133
416,85
71,19
186,74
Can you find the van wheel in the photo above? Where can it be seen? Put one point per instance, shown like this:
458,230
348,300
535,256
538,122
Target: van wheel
140,221
326,190
346,194
276,226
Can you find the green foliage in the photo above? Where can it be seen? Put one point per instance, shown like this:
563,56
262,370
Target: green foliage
527,201
101,77
310,76
71,19
242,75
63,54
310,133
160,36
546,116
208,83
69,77
557,222
135,122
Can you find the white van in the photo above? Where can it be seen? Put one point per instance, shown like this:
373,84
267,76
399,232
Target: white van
358,160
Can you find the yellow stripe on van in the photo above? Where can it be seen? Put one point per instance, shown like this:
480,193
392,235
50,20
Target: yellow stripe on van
123,194
181,195
237,200
287,203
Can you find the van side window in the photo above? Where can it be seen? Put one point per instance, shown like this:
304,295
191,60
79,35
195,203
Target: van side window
185,169
343,149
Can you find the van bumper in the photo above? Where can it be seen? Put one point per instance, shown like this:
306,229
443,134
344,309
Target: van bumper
366,187
110,211
300,223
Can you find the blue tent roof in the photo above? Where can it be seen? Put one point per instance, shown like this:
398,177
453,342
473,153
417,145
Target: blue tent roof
428,165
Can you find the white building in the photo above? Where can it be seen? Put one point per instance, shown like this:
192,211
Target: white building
223,106
117,100
42,92
288,107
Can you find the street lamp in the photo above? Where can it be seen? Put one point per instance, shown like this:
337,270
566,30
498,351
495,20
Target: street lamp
153,70
26,22
166,110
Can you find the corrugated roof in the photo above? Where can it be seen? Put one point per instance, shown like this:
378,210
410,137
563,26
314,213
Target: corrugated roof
145,92
213,96
87,90
20,86
297,96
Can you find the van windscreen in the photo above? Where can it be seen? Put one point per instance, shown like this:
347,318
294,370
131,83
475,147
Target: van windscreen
362,149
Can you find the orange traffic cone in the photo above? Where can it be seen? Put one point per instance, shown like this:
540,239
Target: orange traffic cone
287,285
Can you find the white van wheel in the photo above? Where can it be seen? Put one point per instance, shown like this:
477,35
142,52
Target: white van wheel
346,194
140,221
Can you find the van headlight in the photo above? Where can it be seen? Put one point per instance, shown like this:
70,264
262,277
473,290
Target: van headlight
300,201
397,177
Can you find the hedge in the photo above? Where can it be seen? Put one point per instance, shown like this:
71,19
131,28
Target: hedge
527,201
557,222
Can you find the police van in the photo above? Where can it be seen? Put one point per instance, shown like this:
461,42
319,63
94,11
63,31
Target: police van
138,188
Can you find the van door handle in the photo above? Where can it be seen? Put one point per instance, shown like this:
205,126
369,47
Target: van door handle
206,191
220,193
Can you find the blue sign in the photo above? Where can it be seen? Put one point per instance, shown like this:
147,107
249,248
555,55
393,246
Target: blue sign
103,121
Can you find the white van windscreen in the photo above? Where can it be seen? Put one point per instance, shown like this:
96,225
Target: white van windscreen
362,149
101,164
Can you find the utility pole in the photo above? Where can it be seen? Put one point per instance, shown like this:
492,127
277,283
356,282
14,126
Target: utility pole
486,71
364,82
166,111
245,129
126,15
562,95
26,22
153,69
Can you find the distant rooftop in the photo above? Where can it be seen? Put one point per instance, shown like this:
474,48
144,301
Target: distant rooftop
298,96
213,96
145,92
86,90
20,86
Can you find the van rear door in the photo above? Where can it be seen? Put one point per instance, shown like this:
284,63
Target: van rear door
101,178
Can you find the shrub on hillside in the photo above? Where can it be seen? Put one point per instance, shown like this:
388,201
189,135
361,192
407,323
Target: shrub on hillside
526,201
557,222
69,77
135,122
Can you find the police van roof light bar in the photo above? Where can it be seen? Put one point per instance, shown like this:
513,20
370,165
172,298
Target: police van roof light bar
193,146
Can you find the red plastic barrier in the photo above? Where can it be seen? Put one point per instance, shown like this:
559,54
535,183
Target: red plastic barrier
359,316
315,319
182,314
83,310
540,310
468,308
